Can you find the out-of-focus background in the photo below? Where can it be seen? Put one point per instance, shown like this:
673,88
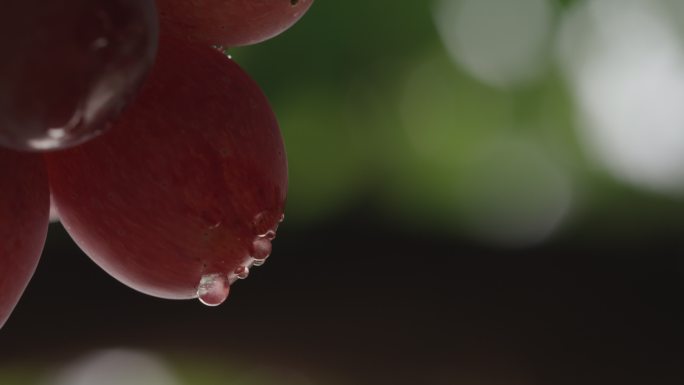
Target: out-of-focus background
483,192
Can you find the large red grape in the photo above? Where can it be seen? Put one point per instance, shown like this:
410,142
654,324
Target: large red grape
69,67
24,207
230,22
187,188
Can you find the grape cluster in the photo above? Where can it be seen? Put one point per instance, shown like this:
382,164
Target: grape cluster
161,156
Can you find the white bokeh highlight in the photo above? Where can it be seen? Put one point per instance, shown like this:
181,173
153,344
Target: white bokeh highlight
116,367
516,194
503,43
624,60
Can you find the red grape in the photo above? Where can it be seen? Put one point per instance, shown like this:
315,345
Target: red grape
230,22
189,184
69,67
24,207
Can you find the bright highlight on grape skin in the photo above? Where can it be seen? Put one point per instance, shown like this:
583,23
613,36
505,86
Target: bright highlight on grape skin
230,23
70,67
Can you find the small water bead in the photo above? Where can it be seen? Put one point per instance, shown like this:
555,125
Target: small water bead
266,222
213,289
259,262
261,248
242,272
270,235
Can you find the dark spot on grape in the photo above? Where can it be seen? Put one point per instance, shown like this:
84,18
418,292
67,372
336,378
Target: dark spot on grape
294,2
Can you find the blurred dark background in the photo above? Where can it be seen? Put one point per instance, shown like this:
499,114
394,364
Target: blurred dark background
483,192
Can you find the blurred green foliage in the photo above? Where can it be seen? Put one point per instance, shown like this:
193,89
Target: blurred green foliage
374,110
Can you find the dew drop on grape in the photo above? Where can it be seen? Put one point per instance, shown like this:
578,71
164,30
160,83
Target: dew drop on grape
242,272
259,262
261,249
213,289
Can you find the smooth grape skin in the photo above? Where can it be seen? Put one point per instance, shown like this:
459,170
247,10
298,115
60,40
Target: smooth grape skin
230,23
185,180
69,67
24,208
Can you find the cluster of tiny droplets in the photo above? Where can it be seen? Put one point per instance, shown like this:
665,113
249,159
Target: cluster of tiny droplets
214,288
